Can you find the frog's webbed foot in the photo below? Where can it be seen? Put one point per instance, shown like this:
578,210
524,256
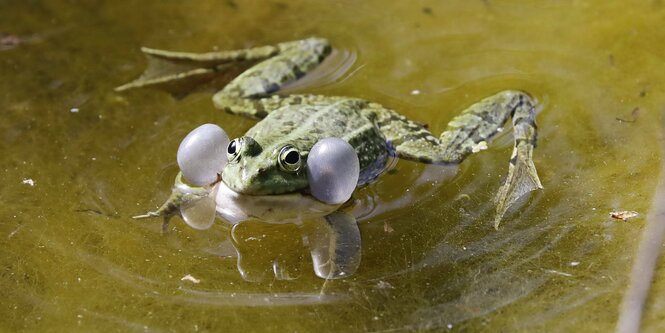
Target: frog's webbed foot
522,175
191,203
522,179
181,72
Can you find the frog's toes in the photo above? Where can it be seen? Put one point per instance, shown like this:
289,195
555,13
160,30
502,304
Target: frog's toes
146,215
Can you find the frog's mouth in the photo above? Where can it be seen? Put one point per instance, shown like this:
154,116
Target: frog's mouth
294,207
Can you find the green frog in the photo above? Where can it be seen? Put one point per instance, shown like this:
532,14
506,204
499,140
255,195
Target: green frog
266,176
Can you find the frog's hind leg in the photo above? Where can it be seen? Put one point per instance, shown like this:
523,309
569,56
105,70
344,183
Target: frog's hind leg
181,72
250,73
248,94
469,133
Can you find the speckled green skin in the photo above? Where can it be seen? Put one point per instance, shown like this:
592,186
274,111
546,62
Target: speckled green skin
256,171
373,130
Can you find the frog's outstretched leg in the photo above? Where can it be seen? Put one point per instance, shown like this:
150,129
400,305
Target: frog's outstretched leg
181,195
258,71
176,72
469,133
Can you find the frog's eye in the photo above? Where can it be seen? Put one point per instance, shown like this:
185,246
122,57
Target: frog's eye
289,159
233,150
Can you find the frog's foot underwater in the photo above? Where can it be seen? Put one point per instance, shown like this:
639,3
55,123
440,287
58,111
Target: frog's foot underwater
182,196
368,127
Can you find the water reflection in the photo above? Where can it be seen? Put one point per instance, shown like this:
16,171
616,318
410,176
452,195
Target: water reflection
265,249
272,236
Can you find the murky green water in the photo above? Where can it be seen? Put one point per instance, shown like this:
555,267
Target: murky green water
73,260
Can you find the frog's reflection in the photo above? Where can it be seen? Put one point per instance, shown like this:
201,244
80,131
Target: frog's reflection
265,249
268,230
328,231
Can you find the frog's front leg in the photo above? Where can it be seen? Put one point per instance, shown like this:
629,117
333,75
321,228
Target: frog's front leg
182,195
469,133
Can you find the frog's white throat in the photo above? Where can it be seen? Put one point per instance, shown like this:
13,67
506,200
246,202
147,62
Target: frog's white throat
235,207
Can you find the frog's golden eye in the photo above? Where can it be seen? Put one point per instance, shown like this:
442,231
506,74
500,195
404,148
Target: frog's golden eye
233,150
289,159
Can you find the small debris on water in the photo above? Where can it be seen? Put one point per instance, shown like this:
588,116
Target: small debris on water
633,116
480,146
28,181
462,196
384,285
624,215
9,40
558,272
74,110
415,92
387,228
190,279
574,263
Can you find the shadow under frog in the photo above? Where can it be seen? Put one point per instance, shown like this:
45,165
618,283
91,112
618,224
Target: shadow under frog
305,157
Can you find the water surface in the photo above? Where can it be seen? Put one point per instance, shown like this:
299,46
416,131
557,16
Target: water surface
73,260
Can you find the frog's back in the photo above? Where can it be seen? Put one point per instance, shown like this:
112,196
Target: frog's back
303,125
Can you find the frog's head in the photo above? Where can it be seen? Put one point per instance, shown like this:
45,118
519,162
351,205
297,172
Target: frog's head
327,169
255,170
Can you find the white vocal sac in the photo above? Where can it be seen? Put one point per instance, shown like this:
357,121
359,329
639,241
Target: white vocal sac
333,169
202,154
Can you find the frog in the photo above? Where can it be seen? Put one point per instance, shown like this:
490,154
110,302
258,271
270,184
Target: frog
266,173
